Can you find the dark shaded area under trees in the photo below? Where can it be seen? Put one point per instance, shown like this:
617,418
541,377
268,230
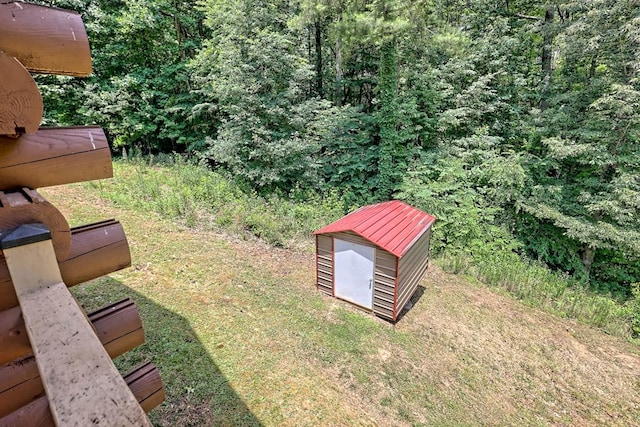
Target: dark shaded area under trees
516,123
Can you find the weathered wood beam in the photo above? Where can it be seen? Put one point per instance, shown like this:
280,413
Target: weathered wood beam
81,382
28,206
96,249
21,103
44,39
14,341
54,156
118,326
144,382
37,413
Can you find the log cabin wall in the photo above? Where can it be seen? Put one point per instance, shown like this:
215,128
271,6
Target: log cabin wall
40,39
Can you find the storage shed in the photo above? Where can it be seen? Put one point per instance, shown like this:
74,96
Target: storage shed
375,256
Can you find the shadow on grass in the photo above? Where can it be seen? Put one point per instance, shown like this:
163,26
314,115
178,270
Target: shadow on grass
197,392
412,301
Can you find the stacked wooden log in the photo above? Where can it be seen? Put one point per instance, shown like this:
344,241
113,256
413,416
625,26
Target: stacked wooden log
42,337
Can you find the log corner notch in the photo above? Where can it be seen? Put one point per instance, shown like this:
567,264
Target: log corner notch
21,108
28,206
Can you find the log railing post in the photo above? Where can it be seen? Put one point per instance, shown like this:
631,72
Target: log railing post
82,384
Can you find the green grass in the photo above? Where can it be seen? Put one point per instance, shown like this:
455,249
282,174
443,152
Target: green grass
199,198
242,337
556,293
178,189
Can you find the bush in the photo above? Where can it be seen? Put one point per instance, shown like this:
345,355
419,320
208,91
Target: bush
178,188
175,187
633,311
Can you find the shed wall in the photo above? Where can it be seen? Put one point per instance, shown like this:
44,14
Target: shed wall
324,251
384,284
384,271
411,268
351,237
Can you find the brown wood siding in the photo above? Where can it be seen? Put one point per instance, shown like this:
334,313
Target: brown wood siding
412,268
325,264
385,282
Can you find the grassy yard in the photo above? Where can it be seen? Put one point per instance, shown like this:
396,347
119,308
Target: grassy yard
242,337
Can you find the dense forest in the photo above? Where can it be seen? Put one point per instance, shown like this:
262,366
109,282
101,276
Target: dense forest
516,123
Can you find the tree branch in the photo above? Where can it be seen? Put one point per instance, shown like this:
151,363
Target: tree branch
529,17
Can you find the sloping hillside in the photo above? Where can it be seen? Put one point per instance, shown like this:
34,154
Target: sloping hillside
243,338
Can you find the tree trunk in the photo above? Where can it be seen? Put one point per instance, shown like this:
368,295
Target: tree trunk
319,88
391,164
309,56
588,255
180,37
338,96
547,45
338,100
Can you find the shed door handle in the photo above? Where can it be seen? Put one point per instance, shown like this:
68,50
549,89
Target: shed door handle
370,282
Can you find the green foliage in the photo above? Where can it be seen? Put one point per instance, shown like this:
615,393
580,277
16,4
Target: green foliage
516,123
633,310
254,73
540,240
140,91
554,292
177,188
585,172
61,97
393,162
348,158
468,188
612,272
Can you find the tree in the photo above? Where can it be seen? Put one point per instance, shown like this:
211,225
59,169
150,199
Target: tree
585,180
255,73
501,117
140,91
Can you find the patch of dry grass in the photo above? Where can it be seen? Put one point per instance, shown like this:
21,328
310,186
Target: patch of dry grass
242,337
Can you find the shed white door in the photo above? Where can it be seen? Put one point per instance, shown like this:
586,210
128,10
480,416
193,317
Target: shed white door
353,272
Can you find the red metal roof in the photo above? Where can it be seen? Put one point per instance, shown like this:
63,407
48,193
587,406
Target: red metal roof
394,226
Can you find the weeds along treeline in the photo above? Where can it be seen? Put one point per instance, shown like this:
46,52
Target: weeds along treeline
203,199
516,123
180,189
